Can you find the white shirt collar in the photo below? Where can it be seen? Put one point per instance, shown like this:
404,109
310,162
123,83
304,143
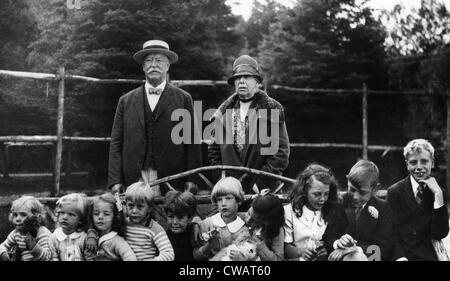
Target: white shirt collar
309,216
107,236
62,236
160,86
233,226
414,185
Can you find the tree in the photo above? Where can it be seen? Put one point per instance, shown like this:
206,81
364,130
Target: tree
325,44
17,30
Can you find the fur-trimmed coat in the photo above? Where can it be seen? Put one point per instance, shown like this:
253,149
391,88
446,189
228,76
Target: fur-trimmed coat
222,152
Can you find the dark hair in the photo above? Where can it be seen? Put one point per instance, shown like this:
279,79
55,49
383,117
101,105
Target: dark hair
180,204
270,208
364,173
118,223
298,196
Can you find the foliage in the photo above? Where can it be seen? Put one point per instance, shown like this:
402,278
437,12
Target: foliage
325,44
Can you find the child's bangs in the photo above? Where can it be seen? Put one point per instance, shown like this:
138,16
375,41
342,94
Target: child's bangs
139,193
224,190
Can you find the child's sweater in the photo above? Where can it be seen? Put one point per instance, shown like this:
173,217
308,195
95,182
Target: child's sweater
67,247
112,247
149,243
40,252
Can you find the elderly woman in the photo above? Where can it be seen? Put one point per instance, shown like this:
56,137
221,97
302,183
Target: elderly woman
253,130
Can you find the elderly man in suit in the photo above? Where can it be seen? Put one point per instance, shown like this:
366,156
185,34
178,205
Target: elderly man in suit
141,144
247,115
419,206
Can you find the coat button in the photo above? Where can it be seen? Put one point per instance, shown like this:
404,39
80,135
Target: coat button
414,232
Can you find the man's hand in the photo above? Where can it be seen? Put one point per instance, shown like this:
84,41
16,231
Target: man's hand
117,188
345,241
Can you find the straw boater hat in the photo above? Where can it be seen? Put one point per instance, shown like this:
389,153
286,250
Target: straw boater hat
155,47
245,65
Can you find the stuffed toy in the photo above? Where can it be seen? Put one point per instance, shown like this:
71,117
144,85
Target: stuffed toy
244,244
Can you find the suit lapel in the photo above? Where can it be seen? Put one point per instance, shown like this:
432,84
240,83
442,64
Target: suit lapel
408,194
164,101
138,105
365,218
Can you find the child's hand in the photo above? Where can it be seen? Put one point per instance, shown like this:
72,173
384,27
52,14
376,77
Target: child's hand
345,241
321,254
336,255
91,244
432,185
309,255
30,241
236,256
4,257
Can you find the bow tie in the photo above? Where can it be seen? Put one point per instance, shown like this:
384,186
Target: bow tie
154,91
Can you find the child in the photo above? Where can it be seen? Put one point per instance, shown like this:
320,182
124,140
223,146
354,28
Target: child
182,223
109,223
418,205
146,237
67,241
313,204
266,220
221,229
368,220
29,240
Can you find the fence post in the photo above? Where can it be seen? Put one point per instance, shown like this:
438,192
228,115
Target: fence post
59,133
447,141
67,180
5,161
364,123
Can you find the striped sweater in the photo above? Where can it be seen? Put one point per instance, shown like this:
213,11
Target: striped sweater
40,252
149,243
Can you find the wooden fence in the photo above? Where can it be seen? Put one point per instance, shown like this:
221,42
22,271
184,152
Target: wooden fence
62,76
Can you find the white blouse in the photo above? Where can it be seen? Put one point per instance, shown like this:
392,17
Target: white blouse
306,231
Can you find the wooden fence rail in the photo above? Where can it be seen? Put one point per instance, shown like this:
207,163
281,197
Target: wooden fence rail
62,76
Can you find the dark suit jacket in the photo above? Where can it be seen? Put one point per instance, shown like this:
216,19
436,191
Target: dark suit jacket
222,153
129,142
415,226
367,230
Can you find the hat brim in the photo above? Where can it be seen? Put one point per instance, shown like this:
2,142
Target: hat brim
140,56
232,78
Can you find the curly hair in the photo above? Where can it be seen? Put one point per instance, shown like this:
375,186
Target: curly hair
298,196
118,223
270,209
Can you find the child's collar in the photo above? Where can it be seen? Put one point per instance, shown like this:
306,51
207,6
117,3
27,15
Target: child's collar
59,233
107,236
233,226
